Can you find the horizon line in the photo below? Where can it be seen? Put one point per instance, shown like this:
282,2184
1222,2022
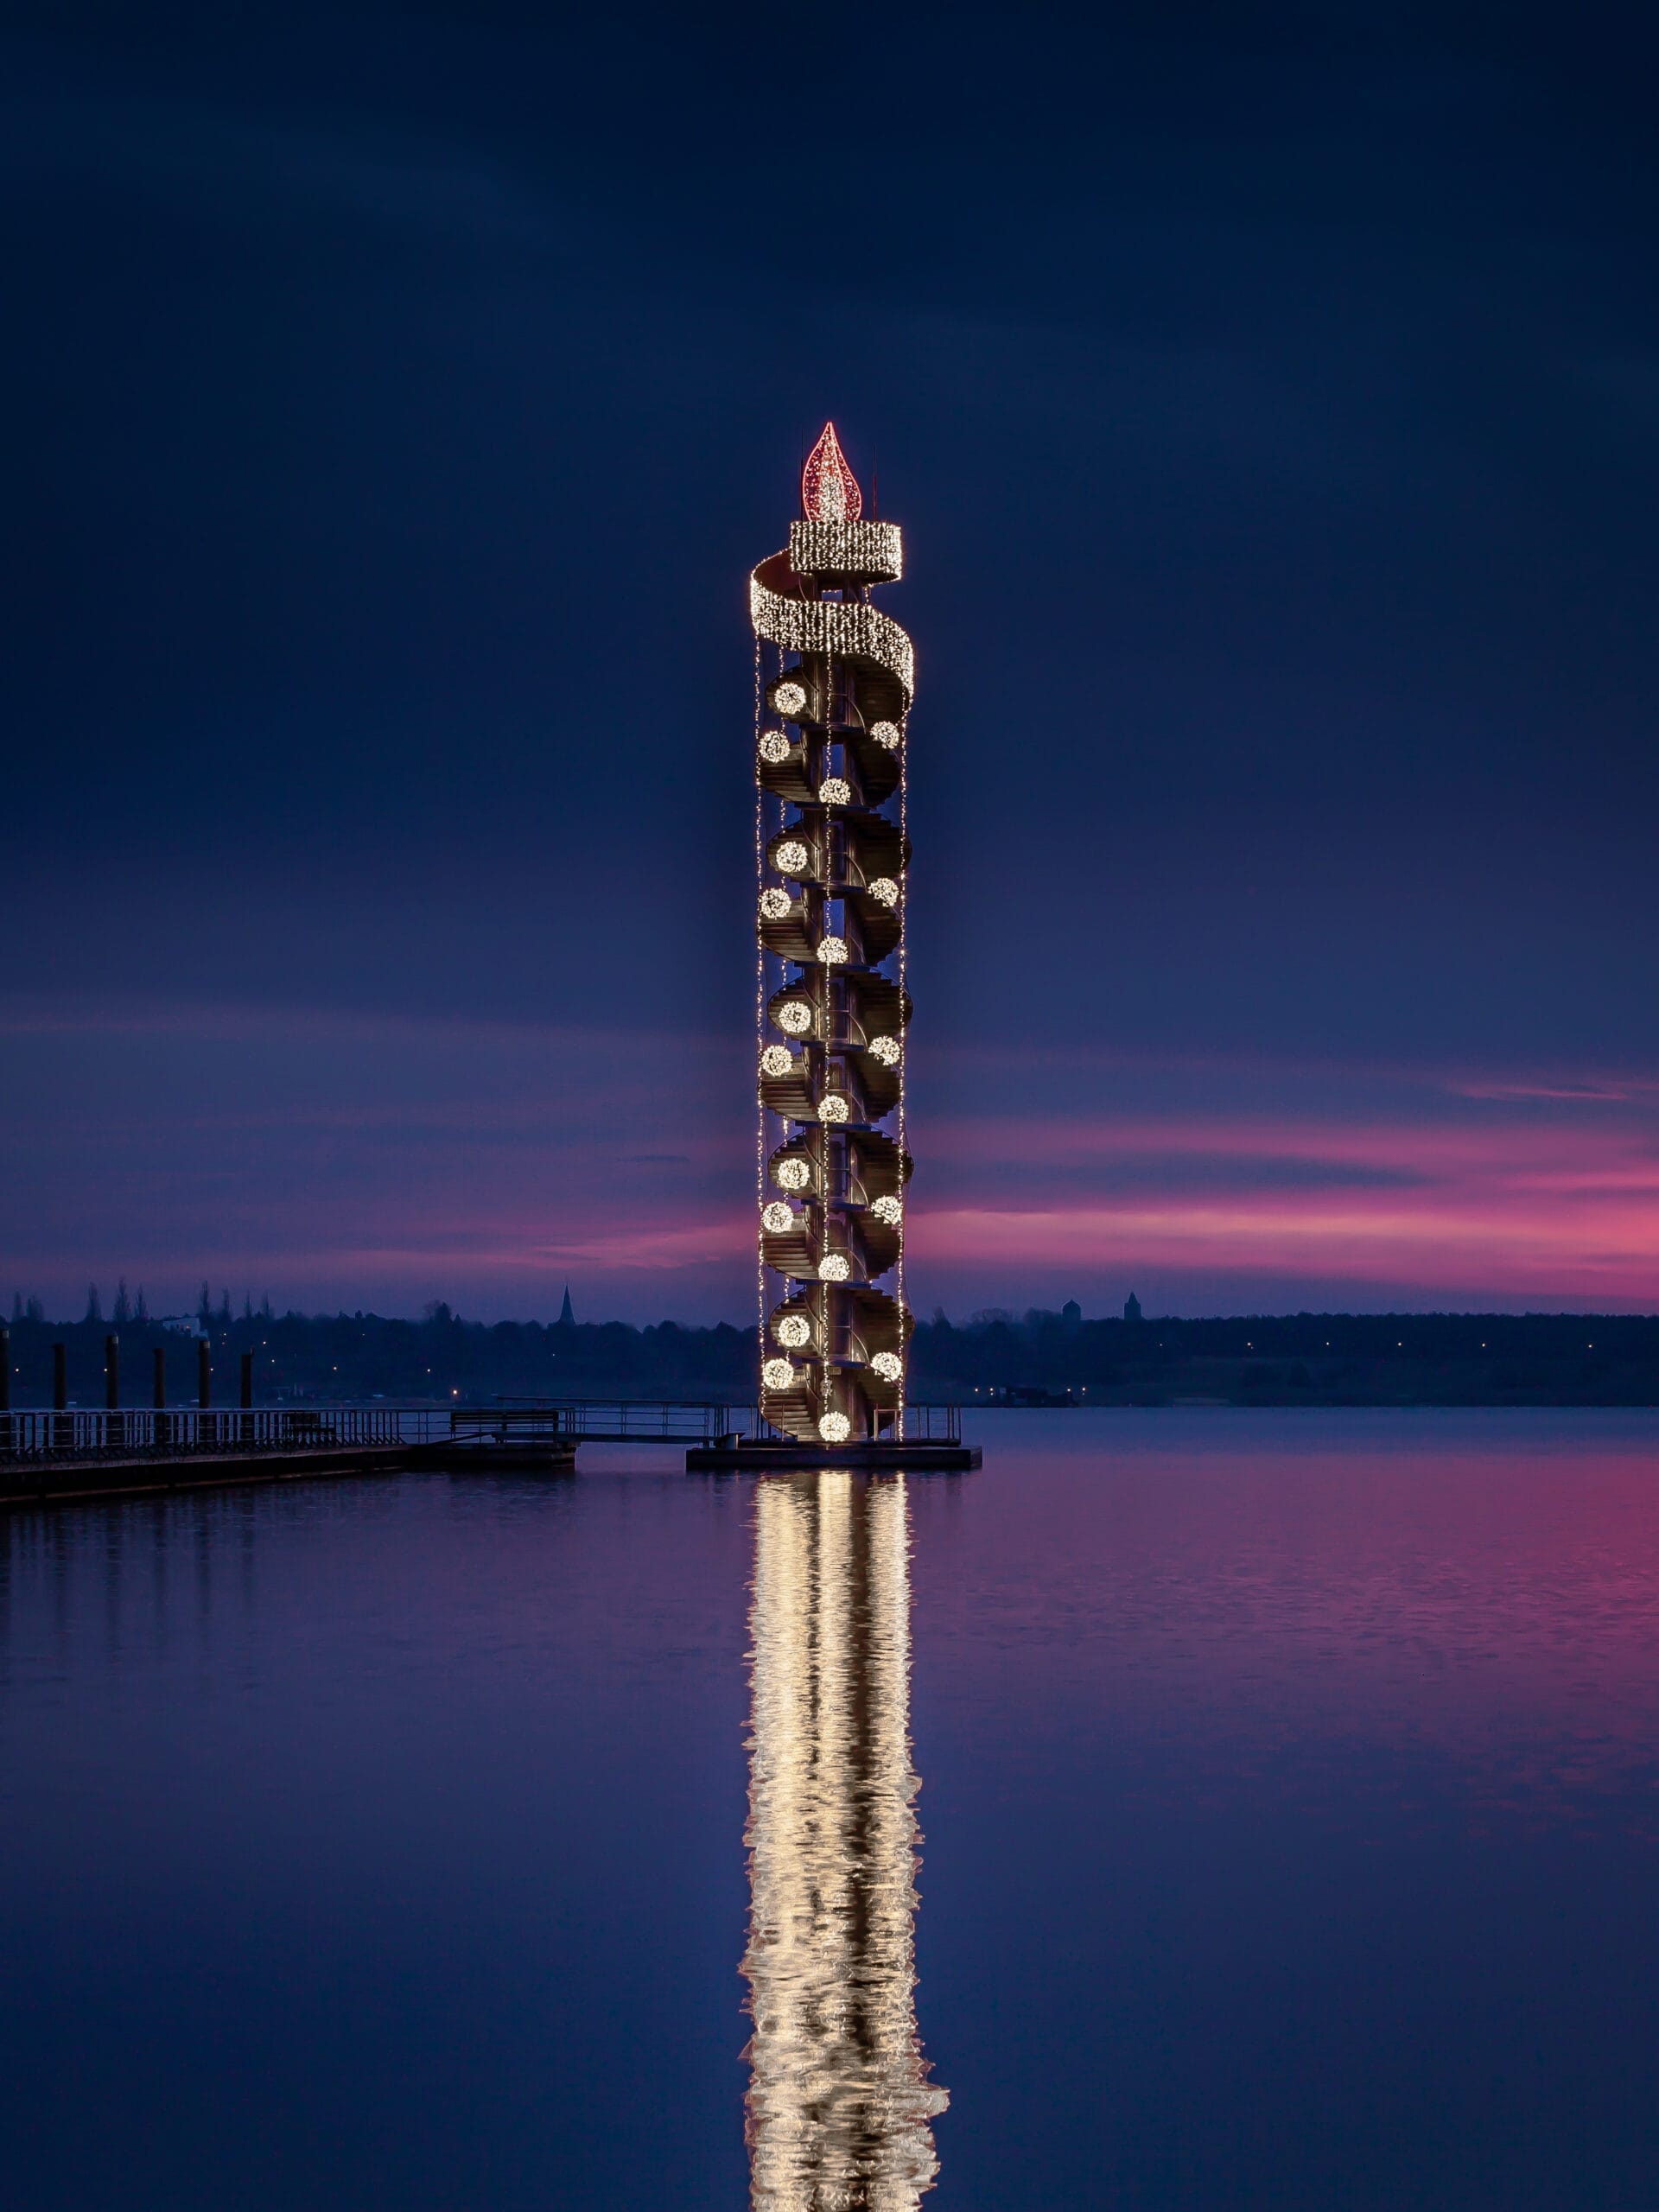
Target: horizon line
986,1316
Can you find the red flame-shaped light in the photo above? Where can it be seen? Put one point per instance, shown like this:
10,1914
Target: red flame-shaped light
829,490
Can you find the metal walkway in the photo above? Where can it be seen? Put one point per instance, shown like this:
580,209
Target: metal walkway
656,1420
79,1432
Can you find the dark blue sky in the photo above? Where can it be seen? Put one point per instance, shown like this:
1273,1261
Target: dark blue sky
398,401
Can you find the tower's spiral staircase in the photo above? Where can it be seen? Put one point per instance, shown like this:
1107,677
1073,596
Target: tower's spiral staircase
833,862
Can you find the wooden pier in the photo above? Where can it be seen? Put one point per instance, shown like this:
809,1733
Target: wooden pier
68,1454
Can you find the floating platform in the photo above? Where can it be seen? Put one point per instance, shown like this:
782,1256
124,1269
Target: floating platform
734,1456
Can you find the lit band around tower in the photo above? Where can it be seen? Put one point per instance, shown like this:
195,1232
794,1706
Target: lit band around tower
831,855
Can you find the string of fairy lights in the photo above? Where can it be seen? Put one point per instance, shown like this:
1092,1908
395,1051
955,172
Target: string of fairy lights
904,1002
759,1029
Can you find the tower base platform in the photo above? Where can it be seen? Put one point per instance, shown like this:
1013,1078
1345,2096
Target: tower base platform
736,1457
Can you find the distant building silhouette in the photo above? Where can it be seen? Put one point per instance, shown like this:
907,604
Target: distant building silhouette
1131,1307
1071,1314
567,1319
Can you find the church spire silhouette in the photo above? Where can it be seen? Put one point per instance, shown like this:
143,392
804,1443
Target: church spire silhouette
567,1319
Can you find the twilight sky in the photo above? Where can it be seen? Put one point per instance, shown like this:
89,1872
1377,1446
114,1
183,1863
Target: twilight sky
397,401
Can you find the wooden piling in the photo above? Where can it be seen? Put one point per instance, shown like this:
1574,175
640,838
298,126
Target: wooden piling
62,1428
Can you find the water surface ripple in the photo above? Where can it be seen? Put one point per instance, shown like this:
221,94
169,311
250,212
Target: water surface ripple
839,2101
1291,1786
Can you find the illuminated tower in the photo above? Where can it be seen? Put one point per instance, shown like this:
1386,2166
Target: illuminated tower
840,2104
831,1004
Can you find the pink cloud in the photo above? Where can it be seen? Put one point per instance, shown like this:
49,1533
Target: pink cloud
1566,1204
393,1157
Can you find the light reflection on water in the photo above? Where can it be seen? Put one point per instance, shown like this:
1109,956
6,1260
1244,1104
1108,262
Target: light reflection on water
1291,1798
839,2101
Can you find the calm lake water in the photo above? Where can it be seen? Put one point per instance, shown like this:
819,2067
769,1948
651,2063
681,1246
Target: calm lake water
1287,1830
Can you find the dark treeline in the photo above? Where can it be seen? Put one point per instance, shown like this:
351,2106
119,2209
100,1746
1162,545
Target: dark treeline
1289,1359
1300,1359
353,1355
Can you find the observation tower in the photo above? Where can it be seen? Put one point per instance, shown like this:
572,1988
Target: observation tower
833,679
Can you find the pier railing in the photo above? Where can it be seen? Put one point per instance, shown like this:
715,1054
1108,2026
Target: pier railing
83,1433
648,1421
932,1424
86,1433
